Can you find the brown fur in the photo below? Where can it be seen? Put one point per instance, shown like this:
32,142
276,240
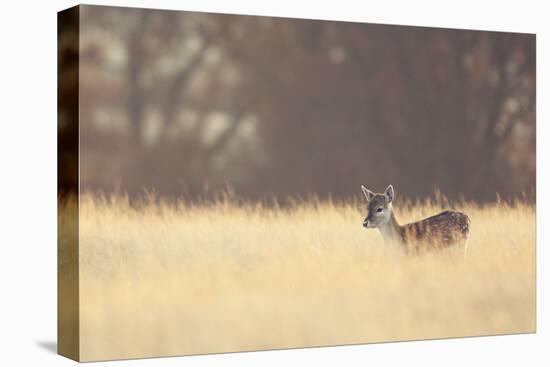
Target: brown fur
439,231
442,230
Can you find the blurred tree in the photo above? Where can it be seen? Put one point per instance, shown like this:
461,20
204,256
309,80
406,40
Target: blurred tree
67,102
178,101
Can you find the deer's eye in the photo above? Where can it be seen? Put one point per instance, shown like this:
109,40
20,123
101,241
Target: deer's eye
379,210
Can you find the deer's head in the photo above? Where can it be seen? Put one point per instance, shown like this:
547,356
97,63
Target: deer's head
379,208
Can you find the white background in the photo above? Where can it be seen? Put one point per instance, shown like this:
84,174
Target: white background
28,182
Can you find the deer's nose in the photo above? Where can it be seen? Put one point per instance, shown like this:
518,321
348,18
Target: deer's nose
365,223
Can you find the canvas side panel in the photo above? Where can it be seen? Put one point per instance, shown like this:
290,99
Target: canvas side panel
68,343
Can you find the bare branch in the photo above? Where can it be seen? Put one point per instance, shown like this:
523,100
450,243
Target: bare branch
225,137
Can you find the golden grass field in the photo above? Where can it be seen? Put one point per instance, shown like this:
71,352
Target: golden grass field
165,279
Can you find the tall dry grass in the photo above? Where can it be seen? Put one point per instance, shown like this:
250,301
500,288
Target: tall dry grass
164,279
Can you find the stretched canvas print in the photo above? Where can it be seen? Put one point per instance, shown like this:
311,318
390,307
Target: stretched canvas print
237,183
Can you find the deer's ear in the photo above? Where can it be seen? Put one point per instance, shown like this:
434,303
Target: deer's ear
389,194
368,194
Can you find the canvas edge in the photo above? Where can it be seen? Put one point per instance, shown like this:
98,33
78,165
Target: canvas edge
68,310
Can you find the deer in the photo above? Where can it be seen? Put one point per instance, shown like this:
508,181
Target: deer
444,230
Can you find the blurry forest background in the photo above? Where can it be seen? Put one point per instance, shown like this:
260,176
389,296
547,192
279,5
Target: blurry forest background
187,103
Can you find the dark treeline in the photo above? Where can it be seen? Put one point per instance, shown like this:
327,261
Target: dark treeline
183,103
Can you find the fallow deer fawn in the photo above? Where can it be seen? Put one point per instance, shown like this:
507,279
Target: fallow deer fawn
446,229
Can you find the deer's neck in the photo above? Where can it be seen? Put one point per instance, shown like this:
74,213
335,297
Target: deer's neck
391,231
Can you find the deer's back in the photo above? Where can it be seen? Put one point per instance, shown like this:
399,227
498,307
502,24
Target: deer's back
443,229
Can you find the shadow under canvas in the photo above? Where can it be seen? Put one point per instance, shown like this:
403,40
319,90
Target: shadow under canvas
48,345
